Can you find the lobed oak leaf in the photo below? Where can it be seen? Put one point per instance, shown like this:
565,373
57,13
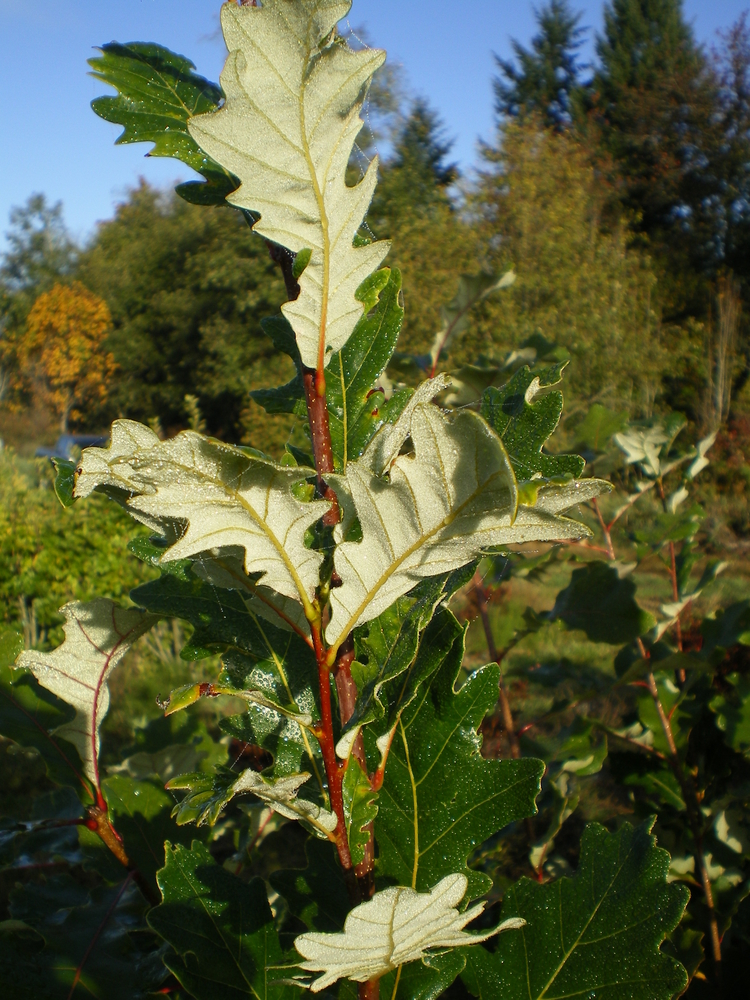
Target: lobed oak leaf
442,505
294,90
98,634
397,926
222,496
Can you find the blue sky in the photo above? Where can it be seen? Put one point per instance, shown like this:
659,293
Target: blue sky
52,141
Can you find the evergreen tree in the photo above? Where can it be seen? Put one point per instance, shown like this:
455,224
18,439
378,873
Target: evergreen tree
656,104
732,68
546,77
417,175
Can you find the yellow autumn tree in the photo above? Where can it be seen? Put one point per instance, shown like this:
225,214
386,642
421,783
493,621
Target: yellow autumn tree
62,349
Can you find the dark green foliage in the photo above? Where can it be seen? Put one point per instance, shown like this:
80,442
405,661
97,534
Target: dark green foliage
158,91
525,423
258,655
187,287
546,78
596,935
657,106
598,601
221,929
440,800
53,927
28,714
316,894
391,662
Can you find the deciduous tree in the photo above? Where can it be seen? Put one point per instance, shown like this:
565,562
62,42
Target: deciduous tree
63,349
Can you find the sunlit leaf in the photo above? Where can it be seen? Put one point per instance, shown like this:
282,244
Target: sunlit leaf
294,92
441,506
97,637
396,927
226,497
157,92
596,935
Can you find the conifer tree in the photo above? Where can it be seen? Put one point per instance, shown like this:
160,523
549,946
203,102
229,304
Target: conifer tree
656,101
732,67
546,77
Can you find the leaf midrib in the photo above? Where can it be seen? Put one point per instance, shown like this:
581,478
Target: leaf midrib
575,944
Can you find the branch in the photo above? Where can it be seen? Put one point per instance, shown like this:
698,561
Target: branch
694,814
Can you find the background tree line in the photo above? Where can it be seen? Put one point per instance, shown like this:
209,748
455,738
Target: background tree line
619,193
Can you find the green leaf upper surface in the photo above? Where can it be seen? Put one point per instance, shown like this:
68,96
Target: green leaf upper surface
294,91
141,813
316,894
603,605
158,91
525,413
64,481
356,414
440,798
259,656
221,929
29,715
596,935
360,809
387,673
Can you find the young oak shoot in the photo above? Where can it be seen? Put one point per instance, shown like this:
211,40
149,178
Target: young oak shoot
243,539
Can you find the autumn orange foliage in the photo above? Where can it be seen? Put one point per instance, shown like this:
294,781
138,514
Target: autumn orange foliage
62,351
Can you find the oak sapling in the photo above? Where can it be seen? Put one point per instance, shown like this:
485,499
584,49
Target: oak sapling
324,581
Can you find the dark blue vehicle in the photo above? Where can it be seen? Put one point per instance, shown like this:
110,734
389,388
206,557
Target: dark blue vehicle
68,445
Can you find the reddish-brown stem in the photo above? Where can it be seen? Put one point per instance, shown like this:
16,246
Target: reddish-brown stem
334,770
320,433
369,991
98,822
695,820
605,530
347,695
